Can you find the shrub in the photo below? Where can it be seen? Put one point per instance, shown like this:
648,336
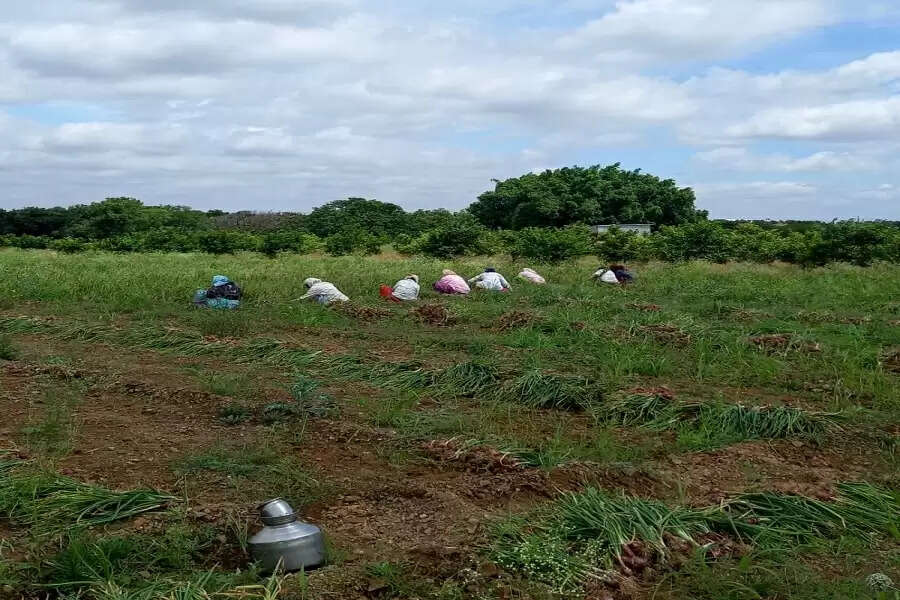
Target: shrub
298,242
352,241
552,245
461,236
68,245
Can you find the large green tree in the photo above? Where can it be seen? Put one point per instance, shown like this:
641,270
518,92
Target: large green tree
378,218
589,195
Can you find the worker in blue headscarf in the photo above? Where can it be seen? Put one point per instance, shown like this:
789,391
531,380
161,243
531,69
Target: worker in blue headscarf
224,294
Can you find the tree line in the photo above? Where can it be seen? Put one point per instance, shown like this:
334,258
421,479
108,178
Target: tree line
542,217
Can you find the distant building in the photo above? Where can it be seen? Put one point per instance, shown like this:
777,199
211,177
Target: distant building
639,228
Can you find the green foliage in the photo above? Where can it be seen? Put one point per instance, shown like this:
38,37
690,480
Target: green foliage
357,214
460,236
67,245
297,242
590,196
552,245
352,241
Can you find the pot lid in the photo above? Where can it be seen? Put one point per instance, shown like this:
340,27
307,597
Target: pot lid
276,512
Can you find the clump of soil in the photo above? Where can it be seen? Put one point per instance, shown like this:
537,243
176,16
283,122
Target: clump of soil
516,319
667,334
578,326
749,314
366,314
434,314
472,458
656,392
890,360
826,317
782,343
644,307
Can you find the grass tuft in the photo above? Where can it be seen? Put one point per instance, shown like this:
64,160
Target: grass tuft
43,500
537,389
708,424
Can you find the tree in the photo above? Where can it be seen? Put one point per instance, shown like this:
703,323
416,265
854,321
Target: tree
378,218
589,196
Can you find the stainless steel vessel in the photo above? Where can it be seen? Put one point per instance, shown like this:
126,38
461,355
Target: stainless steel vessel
295,544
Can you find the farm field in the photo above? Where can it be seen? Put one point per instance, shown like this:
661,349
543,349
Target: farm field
712,432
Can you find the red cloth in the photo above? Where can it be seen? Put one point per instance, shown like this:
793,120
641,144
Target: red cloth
387,292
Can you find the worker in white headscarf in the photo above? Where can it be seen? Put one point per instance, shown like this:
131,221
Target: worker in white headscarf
407,289
322,292
491,280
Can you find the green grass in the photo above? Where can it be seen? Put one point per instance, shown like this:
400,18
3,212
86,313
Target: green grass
8,350
583,534
257,470
755,576
50,433
551,393
44,501
537,389
705,425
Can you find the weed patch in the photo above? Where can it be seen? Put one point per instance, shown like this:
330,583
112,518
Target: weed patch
234,414
262,470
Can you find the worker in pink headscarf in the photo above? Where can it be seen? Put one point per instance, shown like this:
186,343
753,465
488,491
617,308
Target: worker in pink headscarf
451,283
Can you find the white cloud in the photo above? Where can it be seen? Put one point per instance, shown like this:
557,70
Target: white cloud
741,159
418,103
666,30
858,120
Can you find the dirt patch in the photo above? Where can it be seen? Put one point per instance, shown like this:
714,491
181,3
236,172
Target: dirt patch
783,343
651,308
516,319
434,314
666,333
890,360
749,314
826,317
657,392
792,467
366,314
472,458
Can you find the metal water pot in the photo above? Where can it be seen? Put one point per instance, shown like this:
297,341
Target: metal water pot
295,544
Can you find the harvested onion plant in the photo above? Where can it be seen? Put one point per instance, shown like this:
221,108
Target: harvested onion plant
537,389
584,535
42,500
716,420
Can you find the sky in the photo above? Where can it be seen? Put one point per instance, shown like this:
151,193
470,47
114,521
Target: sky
766,108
